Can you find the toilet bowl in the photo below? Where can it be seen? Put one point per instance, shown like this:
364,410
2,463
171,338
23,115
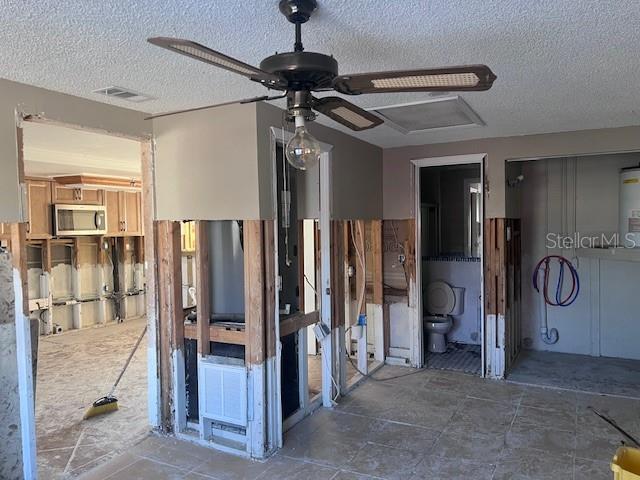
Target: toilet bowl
442,300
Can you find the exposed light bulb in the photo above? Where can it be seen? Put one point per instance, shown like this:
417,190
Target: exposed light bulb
303,150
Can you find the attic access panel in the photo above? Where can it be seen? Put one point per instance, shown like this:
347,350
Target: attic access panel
432,114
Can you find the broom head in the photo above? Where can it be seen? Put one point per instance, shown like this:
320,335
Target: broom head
102,405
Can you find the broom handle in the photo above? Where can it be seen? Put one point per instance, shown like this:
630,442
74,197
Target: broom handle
128,361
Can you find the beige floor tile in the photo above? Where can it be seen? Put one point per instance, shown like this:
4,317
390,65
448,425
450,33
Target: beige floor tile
550,399
407,437
282,468
345,475
470,447
482,417
596,448
446,468
230,467
385,462
145,469
591,470
112,466
328,449
556,419
524,464
559,442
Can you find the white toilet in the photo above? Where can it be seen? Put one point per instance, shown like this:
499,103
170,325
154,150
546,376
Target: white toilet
442,300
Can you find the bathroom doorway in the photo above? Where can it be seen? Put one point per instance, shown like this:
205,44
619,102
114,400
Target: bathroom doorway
450,218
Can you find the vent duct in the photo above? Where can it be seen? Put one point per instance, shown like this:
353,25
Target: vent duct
123,94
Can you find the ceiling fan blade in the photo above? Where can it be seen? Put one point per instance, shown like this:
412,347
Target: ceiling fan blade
448,79
243,101
205,54
346,113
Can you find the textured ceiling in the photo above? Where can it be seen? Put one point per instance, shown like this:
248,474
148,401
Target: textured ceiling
51,150
561,65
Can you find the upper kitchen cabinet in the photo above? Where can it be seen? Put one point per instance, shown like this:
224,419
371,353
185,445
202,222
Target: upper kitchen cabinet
124,213
77,195
39,202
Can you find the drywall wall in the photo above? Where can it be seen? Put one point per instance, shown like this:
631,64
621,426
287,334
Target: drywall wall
356,171
578,195
398,172
10,431
60,108
206,165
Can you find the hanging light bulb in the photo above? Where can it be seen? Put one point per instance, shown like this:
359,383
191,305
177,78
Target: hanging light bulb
303,150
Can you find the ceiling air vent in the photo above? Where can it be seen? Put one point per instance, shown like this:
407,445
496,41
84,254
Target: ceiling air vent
446,112
123,94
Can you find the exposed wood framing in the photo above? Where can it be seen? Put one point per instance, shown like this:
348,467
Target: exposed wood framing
203,296
376,255
502,293
339,263
254,291
218,333
171,321
298,321
270,288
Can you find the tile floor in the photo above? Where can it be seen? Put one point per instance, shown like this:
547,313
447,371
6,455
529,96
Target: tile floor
74,369
459,357
429,425
613,376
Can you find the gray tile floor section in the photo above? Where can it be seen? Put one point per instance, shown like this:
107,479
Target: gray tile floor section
430,425
612,376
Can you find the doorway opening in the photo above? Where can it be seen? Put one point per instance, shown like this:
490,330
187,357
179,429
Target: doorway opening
450,212
579,221
86,289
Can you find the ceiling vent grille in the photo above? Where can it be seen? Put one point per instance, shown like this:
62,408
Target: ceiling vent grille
437,113
123,94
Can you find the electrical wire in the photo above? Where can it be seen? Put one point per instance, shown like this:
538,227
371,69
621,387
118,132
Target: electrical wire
362,263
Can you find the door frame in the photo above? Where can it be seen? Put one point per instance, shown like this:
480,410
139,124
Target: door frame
418,350
280,136
24,334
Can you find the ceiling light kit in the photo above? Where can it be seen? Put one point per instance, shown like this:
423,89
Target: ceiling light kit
299,73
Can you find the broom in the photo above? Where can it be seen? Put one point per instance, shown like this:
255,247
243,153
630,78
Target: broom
109,402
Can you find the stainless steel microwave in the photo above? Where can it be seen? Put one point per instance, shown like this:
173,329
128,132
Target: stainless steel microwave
72,220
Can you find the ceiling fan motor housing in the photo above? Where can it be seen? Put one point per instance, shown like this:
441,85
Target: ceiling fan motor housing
302,70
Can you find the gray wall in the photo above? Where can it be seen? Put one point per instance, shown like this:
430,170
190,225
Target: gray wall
569,195
56,107
356,173
397,167
206,165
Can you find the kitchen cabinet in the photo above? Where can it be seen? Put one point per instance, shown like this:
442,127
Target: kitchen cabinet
39,203
124,213
77,195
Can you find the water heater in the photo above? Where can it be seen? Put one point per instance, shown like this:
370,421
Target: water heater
630,207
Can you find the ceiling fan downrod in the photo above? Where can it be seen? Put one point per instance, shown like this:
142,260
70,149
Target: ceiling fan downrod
298,12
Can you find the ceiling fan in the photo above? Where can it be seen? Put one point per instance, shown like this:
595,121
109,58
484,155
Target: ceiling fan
299,73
